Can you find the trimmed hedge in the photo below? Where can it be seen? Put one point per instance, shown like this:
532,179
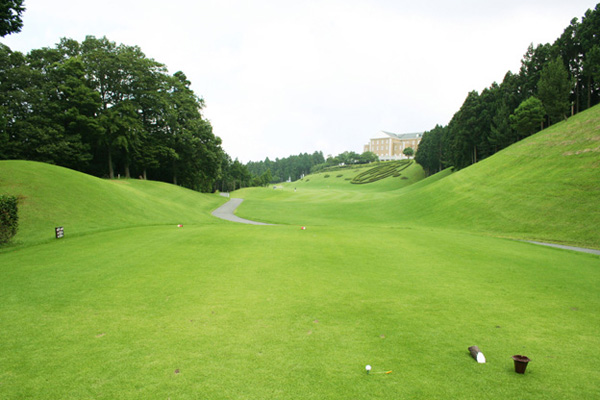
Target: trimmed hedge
382,171
9,218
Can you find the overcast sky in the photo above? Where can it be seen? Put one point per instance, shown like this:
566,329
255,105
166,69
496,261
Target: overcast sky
288,77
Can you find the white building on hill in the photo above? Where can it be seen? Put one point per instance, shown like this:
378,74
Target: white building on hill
390,146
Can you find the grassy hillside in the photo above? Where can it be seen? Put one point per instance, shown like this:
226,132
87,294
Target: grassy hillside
546,187
318,199
341,179
52,196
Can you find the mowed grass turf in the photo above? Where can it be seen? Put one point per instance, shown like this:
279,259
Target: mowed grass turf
51,196
404,278
234,311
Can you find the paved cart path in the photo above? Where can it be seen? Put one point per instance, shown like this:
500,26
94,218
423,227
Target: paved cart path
560,246
226,212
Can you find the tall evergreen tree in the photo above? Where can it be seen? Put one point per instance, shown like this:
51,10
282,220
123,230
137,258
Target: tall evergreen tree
589,39
465,130
568,46
531,68
501,132
528,117
554,88
430,153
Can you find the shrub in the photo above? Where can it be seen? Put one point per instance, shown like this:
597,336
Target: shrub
9,218
339,176
326,176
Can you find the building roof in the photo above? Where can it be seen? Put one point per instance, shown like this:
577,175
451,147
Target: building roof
416,135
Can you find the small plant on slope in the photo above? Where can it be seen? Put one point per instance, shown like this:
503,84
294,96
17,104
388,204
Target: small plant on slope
9,218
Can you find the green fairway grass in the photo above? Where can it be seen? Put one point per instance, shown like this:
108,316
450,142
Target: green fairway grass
400,274
279,312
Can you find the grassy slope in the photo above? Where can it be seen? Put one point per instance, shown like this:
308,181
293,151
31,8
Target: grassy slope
544,188
317,200
52,196
340,180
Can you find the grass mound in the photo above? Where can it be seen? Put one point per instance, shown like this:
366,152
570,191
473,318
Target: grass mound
51,196
344,178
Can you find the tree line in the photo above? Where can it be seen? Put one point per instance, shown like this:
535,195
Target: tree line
296,166
280,170
554,82
345,158
106,109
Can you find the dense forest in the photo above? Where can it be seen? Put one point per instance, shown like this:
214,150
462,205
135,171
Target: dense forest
105,109
554,82
281,170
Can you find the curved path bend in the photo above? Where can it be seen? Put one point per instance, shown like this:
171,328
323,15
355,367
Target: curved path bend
226,212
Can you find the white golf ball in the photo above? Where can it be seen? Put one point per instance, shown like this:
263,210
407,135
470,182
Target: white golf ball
368,367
